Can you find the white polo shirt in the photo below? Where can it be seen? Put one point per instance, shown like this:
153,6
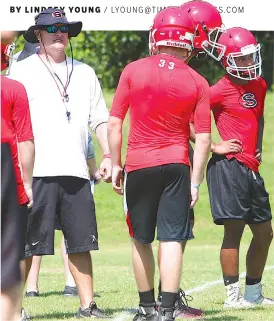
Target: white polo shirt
60,145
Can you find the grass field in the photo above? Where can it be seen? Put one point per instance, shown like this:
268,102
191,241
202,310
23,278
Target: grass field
113,273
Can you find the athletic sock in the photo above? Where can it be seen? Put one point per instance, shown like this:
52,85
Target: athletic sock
230,279
250,281
147,298
168,299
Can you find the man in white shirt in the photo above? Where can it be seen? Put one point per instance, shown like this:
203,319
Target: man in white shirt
64,96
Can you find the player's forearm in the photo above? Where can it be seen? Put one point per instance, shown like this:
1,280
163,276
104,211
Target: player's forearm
92,166
193,137
101,134
200,157
115,142
192,132
26,157
260,134
190,153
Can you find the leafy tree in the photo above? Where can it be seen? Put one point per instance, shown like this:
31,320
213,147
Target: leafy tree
108,52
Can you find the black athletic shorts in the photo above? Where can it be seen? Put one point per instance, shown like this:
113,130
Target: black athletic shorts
10,222
24,215
58,225
191,214
71,199
158,197
190,155
236,192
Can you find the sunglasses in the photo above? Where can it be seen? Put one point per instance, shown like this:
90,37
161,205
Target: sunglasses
54,29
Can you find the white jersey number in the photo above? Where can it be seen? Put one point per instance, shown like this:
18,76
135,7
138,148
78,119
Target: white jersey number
170,64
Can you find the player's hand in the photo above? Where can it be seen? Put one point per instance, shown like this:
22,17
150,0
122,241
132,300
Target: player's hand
28,190
105,170
194,193
96,177
117,179
258,156
227,147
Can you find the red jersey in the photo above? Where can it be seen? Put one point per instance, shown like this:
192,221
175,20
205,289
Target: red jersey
15,116
237,110
161,92
6,135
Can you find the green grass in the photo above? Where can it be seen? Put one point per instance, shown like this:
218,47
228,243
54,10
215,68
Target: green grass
113,275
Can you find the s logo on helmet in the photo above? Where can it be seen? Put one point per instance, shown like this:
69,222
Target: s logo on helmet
57,14
248,100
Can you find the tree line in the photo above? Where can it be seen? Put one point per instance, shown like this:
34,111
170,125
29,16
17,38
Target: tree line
109,51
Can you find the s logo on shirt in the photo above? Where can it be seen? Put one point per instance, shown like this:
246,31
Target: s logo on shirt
248,100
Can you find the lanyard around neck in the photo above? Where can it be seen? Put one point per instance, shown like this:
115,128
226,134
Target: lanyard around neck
64,95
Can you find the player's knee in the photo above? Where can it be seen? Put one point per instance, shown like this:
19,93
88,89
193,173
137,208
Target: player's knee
232,240
233,231
140,243
271,236
264,235
268,236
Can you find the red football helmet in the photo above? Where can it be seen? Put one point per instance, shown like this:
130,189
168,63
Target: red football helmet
209,26
6,55
242,57
173,28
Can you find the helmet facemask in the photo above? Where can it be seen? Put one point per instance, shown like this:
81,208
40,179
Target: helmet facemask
7,57
211,46
250,72
151,42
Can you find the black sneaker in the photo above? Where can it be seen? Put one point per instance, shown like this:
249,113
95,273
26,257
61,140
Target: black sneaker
146,313
73,291
31,294
183,310
91,312
70,291
166,314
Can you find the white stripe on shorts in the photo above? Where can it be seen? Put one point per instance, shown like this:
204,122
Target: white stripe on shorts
92,186
124,196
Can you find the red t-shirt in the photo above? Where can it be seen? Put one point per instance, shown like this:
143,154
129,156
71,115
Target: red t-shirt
15,115
237,110
6,135
161,92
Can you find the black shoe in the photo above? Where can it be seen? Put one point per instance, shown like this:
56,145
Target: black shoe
166,314
146,313
91,312
183,310
31,294
70,291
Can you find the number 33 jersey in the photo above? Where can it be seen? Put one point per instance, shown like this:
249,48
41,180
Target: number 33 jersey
161,92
